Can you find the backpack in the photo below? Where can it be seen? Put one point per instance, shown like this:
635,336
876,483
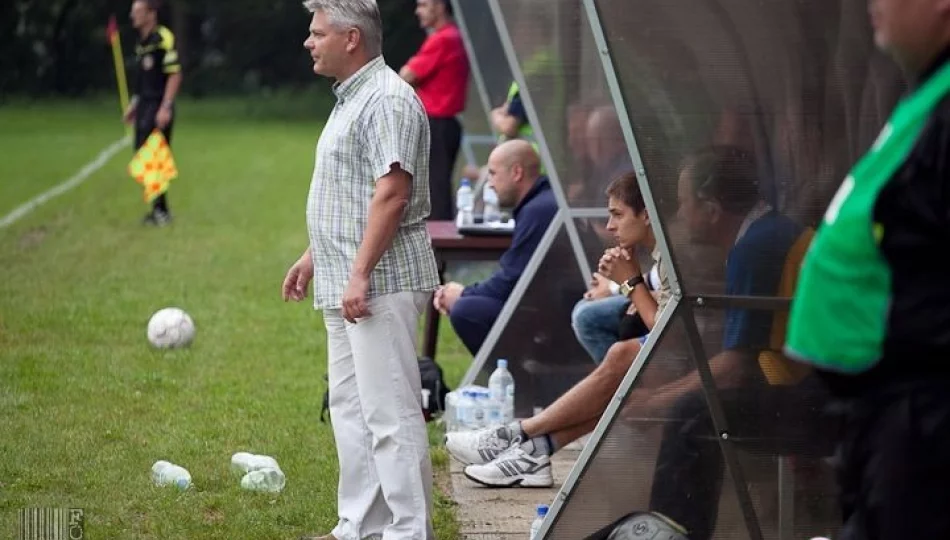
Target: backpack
432,380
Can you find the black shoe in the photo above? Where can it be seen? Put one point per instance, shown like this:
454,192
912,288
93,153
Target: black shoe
157,218
162,218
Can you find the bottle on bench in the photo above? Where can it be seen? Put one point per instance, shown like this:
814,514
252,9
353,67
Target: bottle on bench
465,203
491,214
502,387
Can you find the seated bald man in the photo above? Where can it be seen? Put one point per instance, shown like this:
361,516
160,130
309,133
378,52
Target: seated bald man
514,172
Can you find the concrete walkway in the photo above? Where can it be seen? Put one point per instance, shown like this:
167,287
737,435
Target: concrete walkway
504,514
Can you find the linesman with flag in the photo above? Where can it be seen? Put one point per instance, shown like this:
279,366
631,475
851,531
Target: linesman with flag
157,81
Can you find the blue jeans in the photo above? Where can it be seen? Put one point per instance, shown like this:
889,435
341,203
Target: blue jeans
596,324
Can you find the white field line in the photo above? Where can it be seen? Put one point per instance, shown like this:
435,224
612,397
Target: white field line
68,184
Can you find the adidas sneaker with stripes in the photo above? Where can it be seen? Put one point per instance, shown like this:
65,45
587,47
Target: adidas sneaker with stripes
513,468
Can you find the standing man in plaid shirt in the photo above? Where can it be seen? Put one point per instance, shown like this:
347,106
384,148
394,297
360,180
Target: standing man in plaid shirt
373,269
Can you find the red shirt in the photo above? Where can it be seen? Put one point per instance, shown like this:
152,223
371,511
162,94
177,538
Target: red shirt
441,70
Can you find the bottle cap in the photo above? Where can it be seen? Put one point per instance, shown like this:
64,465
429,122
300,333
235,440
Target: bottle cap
502,363
542,510
466,182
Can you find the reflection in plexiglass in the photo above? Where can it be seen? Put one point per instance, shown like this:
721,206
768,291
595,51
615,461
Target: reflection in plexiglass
543,355
747,115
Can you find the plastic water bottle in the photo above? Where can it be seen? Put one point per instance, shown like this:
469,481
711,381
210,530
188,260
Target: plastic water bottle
269,480
169,474
502,387
491,211
460,405
465,202
487,407
481,403
243,463
478,410
450,415
493,414
474,410
508,405
536,524
466,408
261,473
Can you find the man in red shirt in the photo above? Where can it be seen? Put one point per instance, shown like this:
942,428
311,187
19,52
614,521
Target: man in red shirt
439,73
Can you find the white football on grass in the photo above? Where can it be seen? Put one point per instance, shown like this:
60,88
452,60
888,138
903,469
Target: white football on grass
170,328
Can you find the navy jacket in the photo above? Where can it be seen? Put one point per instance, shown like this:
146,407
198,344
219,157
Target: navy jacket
532,216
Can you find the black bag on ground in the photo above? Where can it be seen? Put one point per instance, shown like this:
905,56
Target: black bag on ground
432,380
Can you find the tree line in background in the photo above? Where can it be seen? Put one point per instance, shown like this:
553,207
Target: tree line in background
228,47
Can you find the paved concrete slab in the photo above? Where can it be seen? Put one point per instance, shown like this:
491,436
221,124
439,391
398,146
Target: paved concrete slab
504,514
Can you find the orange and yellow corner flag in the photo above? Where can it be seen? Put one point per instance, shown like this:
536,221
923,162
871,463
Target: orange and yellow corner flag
153,166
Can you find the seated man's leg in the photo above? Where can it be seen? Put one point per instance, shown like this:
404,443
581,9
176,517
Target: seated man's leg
528,463
573,415
587,400
687,481
596,323
472,318
688,475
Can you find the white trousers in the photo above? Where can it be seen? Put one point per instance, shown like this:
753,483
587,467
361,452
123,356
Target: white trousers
376,410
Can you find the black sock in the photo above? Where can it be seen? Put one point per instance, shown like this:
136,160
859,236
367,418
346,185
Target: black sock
160,204
551,446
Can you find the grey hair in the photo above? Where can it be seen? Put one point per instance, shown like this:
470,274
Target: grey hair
360,14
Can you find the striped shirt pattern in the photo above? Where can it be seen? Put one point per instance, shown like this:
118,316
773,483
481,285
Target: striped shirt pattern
378,121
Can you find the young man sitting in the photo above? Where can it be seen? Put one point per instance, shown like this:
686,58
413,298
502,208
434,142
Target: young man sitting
493,457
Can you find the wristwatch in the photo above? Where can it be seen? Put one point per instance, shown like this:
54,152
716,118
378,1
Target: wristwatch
628,286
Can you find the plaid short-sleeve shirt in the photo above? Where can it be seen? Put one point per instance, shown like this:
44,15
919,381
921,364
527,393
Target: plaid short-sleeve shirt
377,122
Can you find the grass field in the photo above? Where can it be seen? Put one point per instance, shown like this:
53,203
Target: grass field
86,406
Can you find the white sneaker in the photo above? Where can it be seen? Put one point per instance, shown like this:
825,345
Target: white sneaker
480,446
515,467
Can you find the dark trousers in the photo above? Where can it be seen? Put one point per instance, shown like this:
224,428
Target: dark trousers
774,419
144,126
894,465
446,136
472,318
